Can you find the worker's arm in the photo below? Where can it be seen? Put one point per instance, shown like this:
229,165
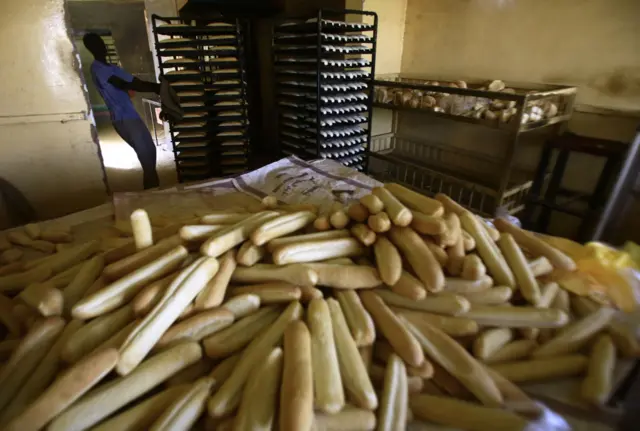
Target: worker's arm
135,85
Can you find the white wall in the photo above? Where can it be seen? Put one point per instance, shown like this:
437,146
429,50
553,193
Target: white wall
46,145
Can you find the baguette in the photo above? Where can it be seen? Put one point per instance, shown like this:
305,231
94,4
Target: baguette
349,419
540,266
415,384
44,298
214,292
416,201
327,382
409,286
468,241
242,305
223,370
515,399
388,260
196,327
456,361
524,277
358,212
338,217
390,392
224,218
317,236
372,203
249,254
365,235
270,293
399,214
460,285
11,255
419,256
449,385
358,319
512,351
149,331
453,326
438,252
129,248
186,408
450,304
450,206
227,398
108,398
379,222
452,232
517,317
561,301
4,243
575,335
308,293
151,294
16,281
7,318
355,378
119,292
548,293
86,276
495,296
312,251
281,226
490,341
199,232
464,415
536,246
384,351
117,339
261,273
345,276
488,251
321,223
65,391
473,268
191,373
226,239
258,405
542,369
296,392
393,330
428,225
366,353
455,258
141,228
129,264
597,385
11,268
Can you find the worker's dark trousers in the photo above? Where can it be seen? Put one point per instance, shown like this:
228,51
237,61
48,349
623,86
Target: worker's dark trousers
135,133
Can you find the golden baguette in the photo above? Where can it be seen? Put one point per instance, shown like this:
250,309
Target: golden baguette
575,335
517,262
270,293
388,260
457,361
227,238
490,341
11,268
10,256
358,212
398,213
64,260
536,246
464,415
415,384
409,286
7,347
196,327
358,319
468,241
322,224
447,384
199,232
121,291
561,301
108,398
366,353
191,373
405,345
312,251
355,378
460,285
143,414
338,217
94,333
297,274
221,372
227,398
452,232
419,256
100,283
455,258
364,234
351,418
85,277
548,292
214,292
390,391
372,203
44,298
416,201
151,294
379,223
542,369
515,399
327,382
450,304
7,318
153,325
121,268
224,218
296,391
493,296
488,251
438,252
473,268
62,279
141,228
281,226
401,404
383,352
449,205
186,408
249,254
27,355
453,326
238,335
341,276
242,305
16,281
428,225
308,293
517,317
258,405
597,384
540,266
512,351
65,391
316,236
127,249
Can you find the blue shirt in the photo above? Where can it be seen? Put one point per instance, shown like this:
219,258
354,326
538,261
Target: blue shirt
118,101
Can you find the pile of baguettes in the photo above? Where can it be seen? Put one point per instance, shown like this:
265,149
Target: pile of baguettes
397,307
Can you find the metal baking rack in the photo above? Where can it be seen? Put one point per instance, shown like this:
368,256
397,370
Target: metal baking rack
204,62
487,185
324,85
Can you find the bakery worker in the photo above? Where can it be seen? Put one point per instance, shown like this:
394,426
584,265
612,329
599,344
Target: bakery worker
114,85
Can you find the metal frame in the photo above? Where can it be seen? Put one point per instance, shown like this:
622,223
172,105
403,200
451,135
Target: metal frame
505,191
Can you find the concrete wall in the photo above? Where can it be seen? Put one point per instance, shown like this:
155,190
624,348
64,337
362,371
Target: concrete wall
46,145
